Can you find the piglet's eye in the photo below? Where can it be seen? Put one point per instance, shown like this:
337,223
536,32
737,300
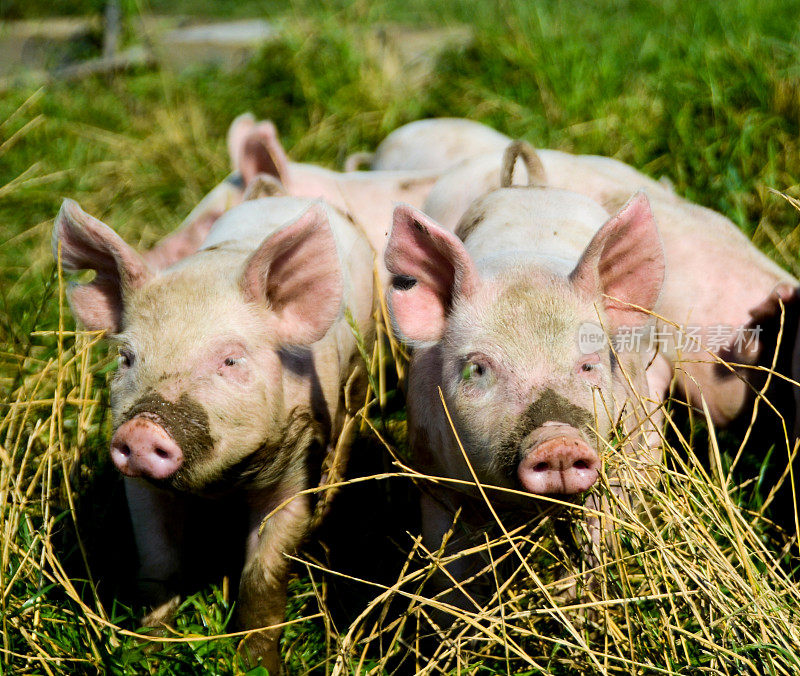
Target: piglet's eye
125,359
471,370
232,365
476,374
590,365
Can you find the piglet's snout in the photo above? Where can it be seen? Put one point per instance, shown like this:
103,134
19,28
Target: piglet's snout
143,448
562,464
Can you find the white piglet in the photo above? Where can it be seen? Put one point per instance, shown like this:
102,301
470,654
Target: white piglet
230,381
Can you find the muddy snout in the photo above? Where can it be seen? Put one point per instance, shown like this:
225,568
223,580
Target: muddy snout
559,461
143,448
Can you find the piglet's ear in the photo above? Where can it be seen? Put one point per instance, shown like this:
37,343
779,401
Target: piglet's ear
297,273
261,152
87,244
430,269
624,263
237,133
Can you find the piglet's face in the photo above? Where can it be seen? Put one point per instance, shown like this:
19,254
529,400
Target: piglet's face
205,348
531,409
199,375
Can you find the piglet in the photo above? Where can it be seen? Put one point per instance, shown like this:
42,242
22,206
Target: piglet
496,322
232,364
434,144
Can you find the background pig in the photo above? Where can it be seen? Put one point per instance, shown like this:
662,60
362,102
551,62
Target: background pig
231,372
600,178
365,196
433,144
441,144
716,277
495,321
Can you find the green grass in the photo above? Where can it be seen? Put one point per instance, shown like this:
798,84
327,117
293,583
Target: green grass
704,93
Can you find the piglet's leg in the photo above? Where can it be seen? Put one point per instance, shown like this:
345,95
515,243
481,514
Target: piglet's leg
157,518
262,592
437,522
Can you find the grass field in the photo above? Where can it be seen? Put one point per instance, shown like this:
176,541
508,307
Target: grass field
706,94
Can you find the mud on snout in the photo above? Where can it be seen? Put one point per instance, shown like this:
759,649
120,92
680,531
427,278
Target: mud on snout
161,441
550,451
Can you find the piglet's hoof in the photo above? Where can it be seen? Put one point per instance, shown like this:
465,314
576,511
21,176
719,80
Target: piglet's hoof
155,622
163,604
260,650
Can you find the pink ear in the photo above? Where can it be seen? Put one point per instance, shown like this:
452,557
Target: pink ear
88,244
262,153
430,269
625,263
237,133
297,273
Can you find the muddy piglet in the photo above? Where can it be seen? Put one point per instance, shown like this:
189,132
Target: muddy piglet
496,322
232,364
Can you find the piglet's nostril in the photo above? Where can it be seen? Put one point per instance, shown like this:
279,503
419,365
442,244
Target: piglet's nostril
580,464
161,453
125,450
541,467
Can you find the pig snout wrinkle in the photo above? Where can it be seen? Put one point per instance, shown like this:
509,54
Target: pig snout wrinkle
143,448
560,465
